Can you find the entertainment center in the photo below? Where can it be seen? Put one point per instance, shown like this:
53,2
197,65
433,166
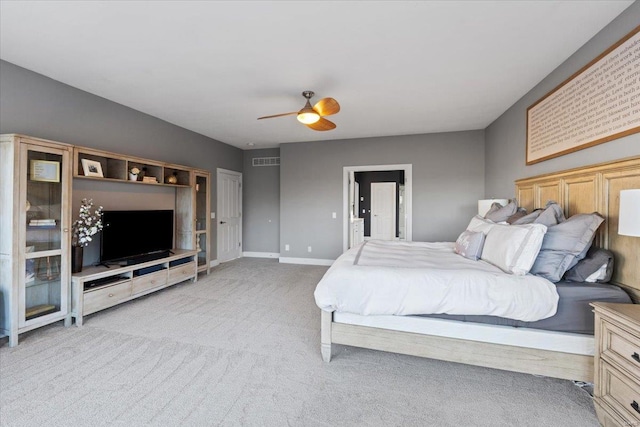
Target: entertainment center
97,288
36,213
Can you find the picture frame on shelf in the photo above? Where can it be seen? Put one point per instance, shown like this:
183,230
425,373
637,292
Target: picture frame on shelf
45,170
92,168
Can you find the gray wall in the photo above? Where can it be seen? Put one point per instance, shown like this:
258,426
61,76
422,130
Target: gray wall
261,204
448,179
505,138
36,105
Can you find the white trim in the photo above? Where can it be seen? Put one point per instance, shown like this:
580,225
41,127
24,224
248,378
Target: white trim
495,334
261,254
306,261
408,196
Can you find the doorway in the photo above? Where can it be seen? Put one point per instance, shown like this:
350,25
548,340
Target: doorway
353,205
229,207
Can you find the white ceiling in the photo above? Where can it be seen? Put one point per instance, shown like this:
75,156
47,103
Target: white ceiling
396,67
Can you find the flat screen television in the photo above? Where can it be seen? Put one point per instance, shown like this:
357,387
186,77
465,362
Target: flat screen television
132,236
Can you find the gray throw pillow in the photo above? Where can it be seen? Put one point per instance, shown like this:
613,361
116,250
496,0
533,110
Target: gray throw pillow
470,244
564,245
551,215
594,260
499,213
529,218
520,213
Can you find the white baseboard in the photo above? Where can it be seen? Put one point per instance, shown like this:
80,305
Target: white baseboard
213,263
306,261
260,254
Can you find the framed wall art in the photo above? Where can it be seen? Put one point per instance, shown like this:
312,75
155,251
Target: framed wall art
599,103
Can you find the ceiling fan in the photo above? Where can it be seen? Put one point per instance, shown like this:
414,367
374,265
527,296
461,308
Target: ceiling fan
313,117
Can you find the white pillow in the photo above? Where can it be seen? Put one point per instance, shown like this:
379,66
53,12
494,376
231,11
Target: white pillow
513,248
479,224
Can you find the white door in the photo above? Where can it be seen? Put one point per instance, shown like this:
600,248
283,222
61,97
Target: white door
383,210
229,215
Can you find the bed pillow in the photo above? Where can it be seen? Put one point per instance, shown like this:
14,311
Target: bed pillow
520,213
499,213
597,266
513,248
478,223
529,218
551,215
565,244
470,244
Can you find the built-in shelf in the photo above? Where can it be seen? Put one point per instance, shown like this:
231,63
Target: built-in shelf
117,167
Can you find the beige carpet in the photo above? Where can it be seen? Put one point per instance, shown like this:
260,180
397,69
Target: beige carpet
241,347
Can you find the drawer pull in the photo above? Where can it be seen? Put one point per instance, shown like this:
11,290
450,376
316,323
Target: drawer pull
635,406
635,357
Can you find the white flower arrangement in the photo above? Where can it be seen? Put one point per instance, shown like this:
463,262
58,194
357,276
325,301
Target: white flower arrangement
134,171
87,224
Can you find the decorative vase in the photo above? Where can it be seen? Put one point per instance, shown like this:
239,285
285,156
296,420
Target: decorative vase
133,177
76,259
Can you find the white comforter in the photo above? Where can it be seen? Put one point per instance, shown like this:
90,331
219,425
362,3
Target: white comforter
407,278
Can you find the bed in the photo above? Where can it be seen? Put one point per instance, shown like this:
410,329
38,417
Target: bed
523,347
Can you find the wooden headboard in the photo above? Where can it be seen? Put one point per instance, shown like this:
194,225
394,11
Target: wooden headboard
594,188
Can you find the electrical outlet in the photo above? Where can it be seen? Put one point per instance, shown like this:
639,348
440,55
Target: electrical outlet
308,248
213,215
334,215
286,247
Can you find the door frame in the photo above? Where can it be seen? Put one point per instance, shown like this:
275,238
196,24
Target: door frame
218,204
408,196
395,207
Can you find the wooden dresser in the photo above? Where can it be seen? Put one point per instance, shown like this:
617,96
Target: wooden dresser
617,364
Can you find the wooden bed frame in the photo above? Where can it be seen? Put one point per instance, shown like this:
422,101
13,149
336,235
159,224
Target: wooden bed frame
594,188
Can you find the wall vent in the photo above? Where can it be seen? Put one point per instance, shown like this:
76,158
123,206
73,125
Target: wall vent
266,161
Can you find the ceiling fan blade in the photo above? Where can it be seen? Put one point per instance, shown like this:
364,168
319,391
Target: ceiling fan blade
322,124
278,115
327,107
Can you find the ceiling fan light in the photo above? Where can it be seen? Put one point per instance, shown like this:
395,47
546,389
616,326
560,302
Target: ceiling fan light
308,117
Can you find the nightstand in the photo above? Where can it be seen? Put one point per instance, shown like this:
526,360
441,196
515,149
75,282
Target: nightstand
617,364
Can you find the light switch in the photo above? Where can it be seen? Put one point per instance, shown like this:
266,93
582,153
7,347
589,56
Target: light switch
334,215
213,215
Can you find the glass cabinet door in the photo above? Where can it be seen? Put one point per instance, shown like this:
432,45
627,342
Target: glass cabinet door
202,218
201,246
45,289
201,202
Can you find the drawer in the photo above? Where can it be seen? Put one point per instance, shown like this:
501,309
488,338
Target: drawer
182,272
108,296
620,392
620,346
149,281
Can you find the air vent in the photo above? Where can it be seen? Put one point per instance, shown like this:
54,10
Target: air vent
266,161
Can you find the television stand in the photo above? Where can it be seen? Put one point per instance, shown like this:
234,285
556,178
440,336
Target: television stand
100,287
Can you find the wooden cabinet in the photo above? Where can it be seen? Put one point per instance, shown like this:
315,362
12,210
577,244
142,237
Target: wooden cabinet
35,238
357,231
35,220
98,288
617,363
